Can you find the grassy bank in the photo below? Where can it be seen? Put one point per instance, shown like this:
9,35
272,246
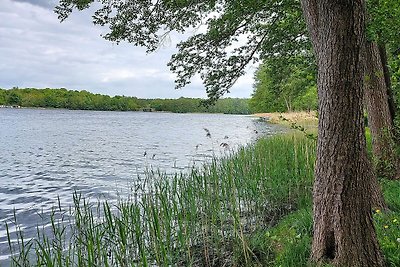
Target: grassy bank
251,209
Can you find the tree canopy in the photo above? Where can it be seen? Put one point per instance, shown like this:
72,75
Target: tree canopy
285,85
238,33
383,23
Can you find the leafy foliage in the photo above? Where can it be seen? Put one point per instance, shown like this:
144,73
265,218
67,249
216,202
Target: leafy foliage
384,22
238,33
285,85
394,64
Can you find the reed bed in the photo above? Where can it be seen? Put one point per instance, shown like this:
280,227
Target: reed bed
207,217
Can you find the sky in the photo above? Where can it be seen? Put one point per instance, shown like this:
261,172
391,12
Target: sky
36,50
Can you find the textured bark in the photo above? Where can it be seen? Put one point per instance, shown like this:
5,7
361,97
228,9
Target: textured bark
344,233
379,114
386,73
377,200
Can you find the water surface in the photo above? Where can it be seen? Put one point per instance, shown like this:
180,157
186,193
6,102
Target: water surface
49,154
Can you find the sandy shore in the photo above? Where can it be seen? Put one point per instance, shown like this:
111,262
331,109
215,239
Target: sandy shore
297,117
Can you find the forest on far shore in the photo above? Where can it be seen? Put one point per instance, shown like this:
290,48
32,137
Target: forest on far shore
84,100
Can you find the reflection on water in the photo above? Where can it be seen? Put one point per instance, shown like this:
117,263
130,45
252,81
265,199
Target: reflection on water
49,154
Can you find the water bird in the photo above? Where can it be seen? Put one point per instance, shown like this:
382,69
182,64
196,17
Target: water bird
208,134
144,154
224,145
154,155
226,137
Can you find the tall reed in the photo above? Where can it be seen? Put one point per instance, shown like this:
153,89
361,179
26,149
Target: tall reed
203,218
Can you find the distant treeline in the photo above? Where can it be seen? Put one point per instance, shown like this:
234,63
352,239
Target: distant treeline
84,100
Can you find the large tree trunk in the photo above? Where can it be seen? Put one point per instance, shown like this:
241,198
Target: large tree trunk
344,233
379,115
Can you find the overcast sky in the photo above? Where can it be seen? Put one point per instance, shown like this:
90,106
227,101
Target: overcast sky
36,50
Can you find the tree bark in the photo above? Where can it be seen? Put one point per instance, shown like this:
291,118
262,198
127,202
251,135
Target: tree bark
344,233
386,73
379,115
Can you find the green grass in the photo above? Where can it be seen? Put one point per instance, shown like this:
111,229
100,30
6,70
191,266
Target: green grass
388,223
250,209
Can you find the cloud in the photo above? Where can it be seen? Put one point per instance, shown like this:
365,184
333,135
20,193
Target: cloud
41,3
36,50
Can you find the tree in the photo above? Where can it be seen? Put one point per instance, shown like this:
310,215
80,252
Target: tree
380,119
270,27
14,98
2,97
384,21
285,84
343,228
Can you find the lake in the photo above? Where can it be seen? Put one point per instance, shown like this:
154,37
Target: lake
50,154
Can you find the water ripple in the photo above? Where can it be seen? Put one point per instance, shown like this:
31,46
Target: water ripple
50,154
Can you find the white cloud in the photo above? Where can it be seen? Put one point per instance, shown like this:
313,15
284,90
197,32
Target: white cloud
125,74
36,50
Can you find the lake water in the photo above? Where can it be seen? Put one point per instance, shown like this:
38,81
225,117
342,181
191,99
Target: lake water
49,154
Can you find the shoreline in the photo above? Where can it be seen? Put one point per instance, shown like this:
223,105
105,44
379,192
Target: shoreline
298,117
119,110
